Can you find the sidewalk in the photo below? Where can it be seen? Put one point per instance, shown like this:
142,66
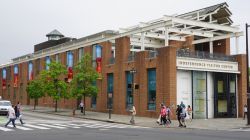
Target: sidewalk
209,124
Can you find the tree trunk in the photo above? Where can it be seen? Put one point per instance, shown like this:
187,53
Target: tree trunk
35,100
84,101
56,106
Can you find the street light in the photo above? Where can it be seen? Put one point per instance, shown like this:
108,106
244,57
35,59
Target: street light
248,89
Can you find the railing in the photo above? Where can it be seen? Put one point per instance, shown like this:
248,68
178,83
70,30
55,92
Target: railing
153,54
131,57
204,55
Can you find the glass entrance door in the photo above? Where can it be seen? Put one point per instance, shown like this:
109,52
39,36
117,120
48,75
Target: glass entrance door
224,91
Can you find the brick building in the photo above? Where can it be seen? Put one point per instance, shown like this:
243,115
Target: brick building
168,60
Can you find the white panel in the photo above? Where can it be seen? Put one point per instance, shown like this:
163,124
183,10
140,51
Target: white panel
184,87
210,94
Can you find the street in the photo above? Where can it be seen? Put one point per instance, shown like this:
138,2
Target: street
42,126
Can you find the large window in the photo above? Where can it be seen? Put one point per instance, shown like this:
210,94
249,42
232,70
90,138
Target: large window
80,53
70,59
151,89
129,96
47,59
57,58
93,99
110,90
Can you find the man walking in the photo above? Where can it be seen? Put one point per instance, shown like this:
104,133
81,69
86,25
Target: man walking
133,113
81,106
11,116
18,112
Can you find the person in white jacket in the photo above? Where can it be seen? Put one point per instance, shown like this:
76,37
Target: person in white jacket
11,116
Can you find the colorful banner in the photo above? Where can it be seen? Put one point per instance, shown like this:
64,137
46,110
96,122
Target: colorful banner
47,59
15,75
70,61
98,58
30,71
4,78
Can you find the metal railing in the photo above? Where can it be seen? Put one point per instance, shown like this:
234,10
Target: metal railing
204,55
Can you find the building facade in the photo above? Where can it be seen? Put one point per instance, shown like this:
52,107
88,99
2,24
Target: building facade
168,60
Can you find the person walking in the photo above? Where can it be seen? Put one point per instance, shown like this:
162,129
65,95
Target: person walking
133,113
163,114
81,105
168,116
245,111
18,112
11,116
183,115
178,114
189,112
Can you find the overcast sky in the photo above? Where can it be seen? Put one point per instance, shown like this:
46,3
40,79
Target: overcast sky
24,23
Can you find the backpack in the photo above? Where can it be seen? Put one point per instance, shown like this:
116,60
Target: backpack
15,109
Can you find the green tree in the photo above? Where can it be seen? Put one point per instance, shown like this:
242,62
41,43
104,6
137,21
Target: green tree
83,81
35,90
54,84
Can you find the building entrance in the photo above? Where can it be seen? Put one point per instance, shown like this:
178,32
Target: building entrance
225,95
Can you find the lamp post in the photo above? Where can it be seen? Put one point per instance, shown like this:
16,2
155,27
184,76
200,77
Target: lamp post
248,89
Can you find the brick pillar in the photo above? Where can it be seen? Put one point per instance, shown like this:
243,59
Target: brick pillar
222,46
102,84
242,83
122,49
166,76
140,77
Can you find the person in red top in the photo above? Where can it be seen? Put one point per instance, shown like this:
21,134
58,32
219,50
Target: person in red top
163,114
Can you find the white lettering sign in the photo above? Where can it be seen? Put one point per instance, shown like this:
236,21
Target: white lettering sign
207,65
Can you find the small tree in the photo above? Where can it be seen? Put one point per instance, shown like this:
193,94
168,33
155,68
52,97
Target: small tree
82,84
54,84
35,90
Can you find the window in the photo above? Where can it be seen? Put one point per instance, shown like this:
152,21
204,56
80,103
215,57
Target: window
80,54
151,89
110,90
70,59
129,96
93,99
30,70
57,58
47,62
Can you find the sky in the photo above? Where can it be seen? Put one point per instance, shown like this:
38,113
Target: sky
24,23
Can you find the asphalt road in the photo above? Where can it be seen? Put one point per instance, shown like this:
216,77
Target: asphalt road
50,127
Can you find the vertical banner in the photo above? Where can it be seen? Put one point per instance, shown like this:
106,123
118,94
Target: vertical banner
70,60
4,78
30,71
15,75
47,62
99,60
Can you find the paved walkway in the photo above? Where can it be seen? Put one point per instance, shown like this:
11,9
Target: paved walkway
211,124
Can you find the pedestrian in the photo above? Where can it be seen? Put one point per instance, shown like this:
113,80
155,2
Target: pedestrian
163,114
189,112
81,105
182,105
183,115
245,111
18,112
168,116
178,114
133,113
11,116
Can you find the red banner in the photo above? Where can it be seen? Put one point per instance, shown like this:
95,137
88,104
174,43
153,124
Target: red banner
4,83
98,65
70,74
15,80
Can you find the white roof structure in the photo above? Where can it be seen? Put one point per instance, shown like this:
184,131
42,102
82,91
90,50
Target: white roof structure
206,25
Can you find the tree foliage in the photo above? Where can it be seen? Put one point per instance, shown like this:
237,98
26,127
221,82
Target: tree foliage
35,90
83,81
53,80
